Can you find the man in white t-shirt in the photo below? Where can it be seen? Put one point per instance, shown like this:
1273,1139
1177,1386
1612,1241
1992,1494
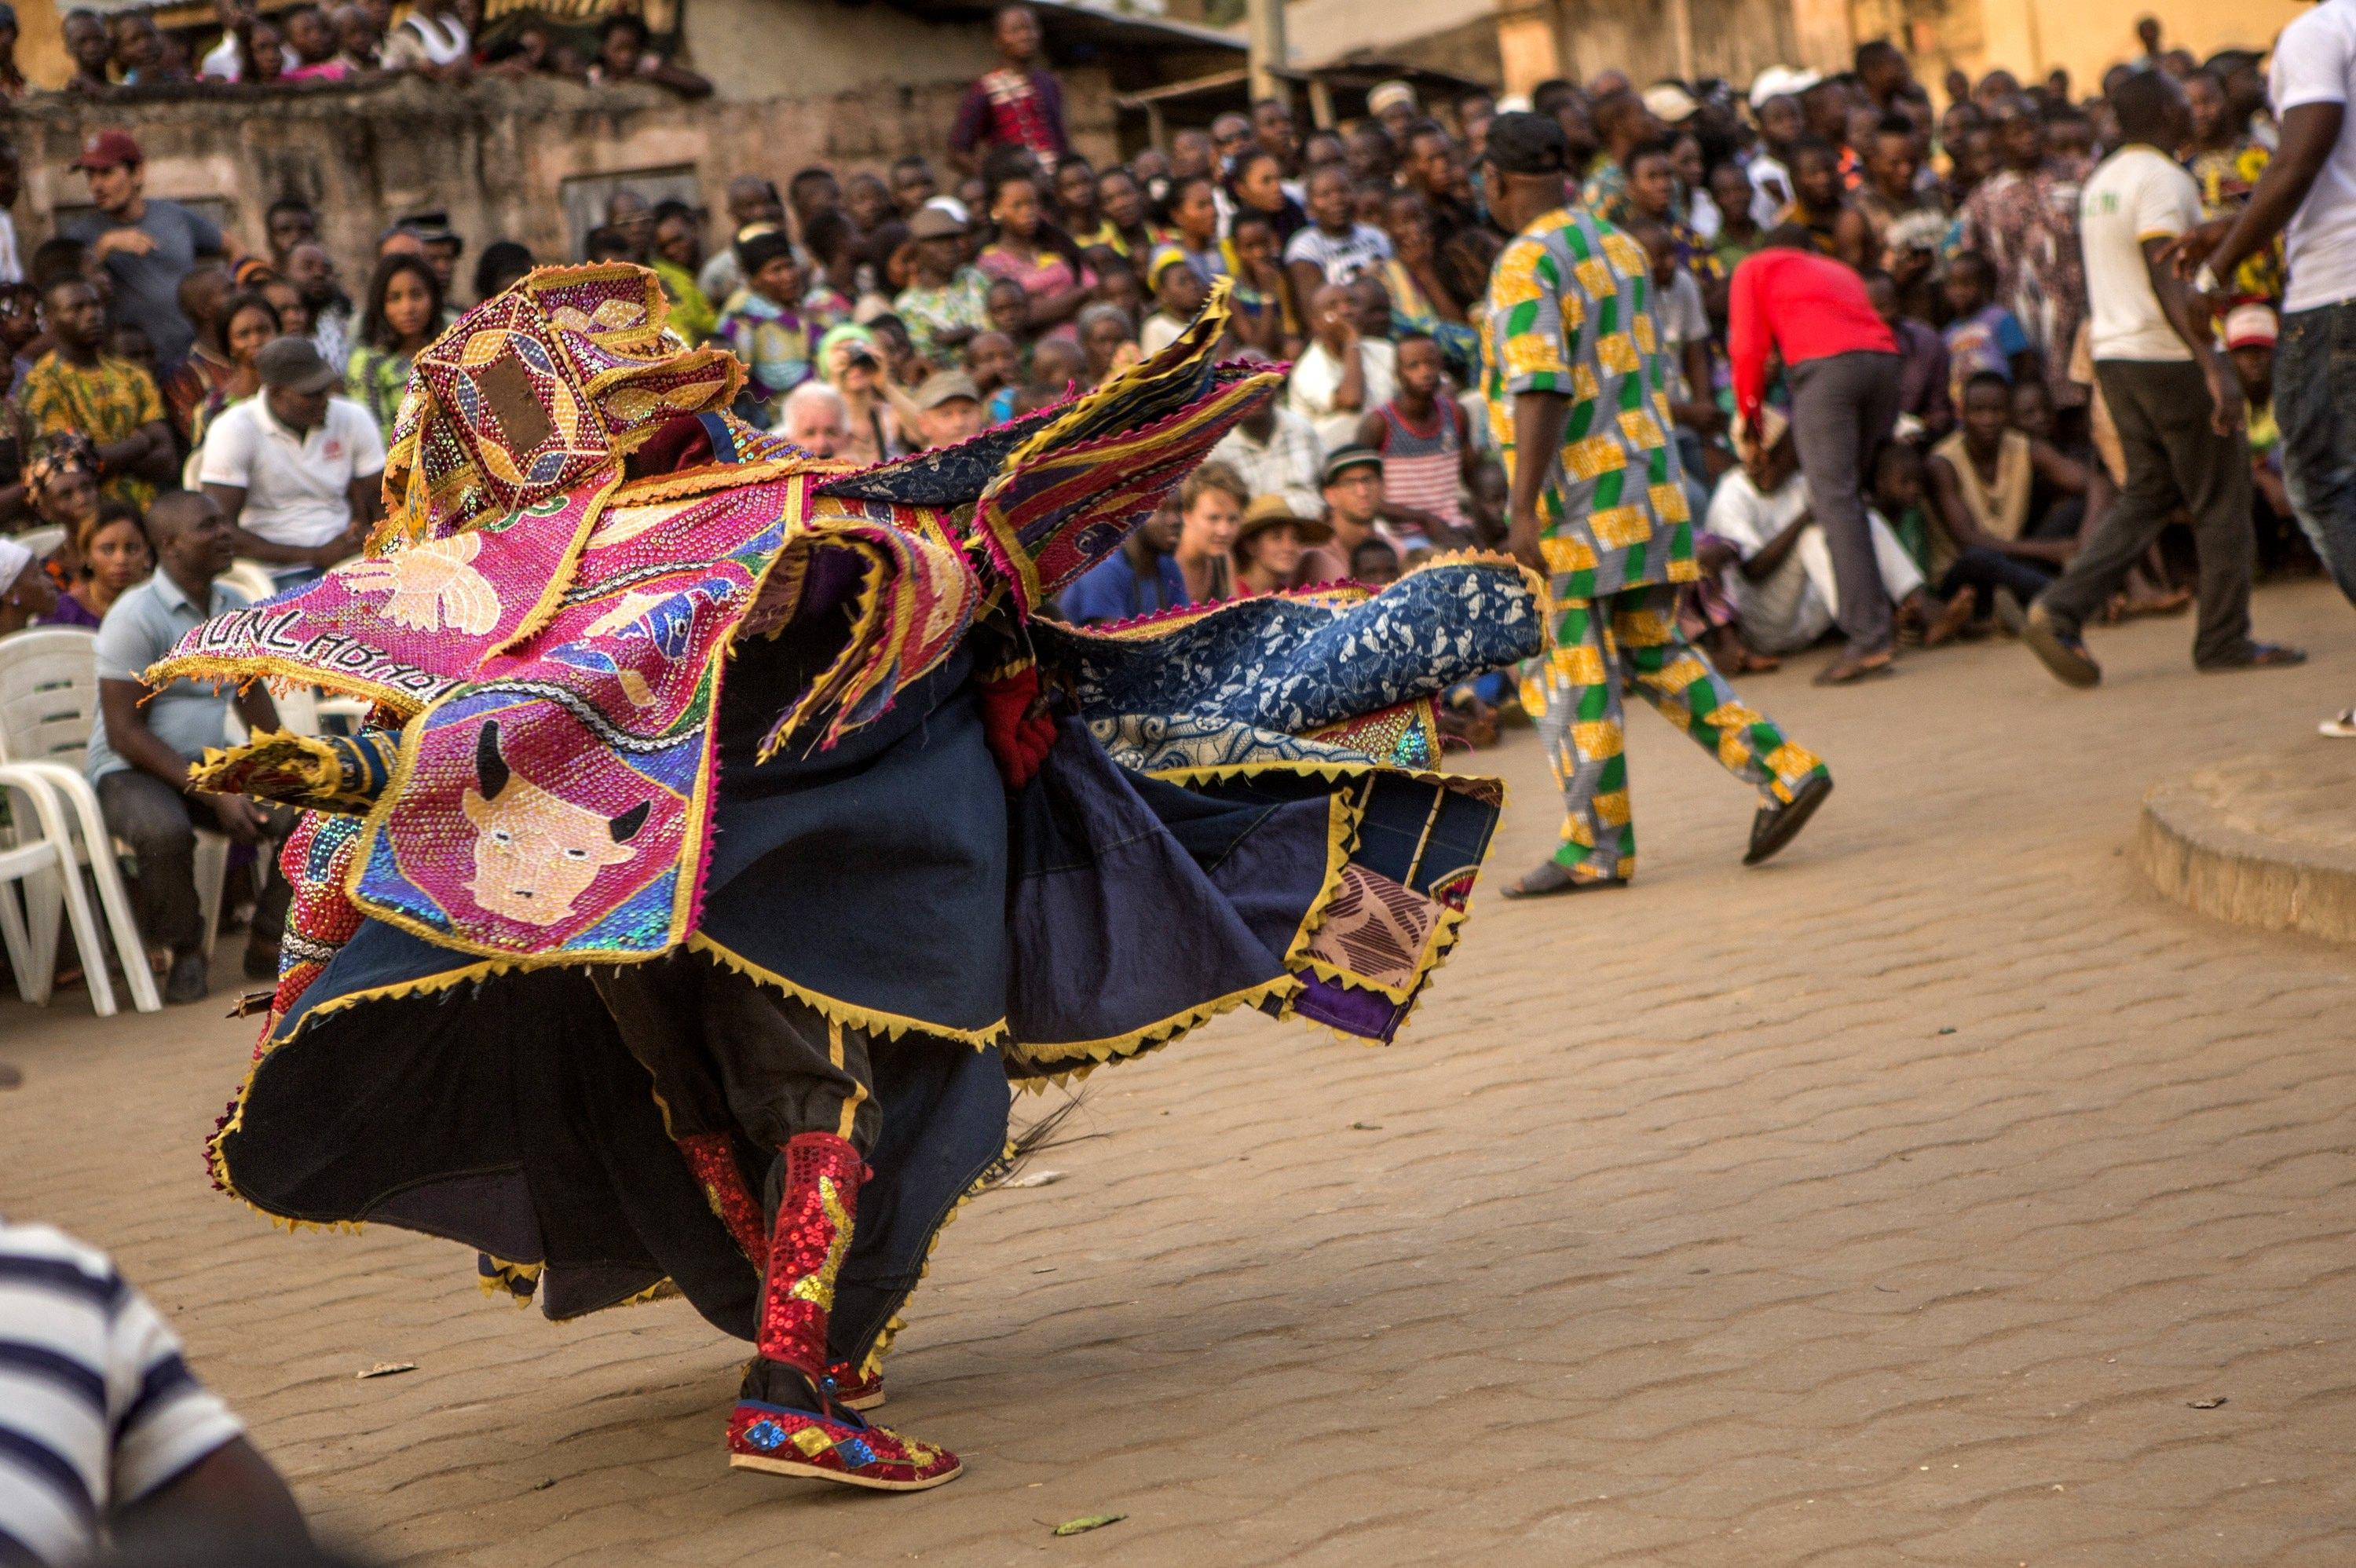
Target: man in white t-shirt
2173,398
2307,196
1333,247
295,469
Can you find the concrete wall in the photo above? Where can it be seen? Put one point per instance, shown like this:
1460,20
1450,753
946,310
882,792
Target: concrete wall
494,154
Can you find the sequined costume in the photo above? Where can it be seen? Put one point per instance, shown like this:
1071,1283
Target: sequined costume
732,837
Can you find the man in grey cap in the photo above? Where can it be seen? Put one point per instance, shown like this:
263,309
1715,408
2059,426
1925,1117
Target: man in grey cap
948,409
297,470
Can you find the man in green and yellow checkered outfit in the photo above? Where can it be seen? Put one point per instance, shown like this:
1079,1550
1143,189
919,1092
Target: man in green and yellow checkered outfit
1575,374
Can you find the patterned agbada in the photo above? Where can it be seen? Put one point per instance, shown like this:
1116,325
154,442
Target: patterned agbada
756,820
1570,312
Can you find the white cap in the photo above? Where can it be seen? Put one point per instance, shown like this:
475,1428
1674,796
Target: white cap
1778,81
1670,104
1384,94
953,207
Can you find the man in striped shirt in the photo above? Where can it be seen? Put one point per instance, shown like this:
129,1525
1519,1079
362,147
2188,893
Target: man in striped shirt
104,1432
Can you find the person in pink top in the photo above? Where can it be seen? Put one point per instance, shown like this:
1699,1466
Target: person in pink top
1841,364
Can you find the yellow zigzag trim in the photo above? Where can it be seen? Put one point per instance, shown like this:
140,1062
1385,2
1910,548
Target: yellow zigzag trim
886,1026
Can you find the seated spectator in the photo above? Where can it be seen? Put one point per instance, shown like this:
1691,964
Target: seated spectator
1178,297
1275,452
202,294
111,548
2250,331
1653,193
1211,508
762,323
1270,544
1021,245
1820,205
1981,479
61,489
949,409
1375,563
1344,374
359,37
502,264
677,257
1739,232
1426,441
1141,578
1262,314
1922,379
144,738
996,368
402,314
815,419
1121,199
1057,370
1108,343
1899,495
1780,575
1352,492
296,473
78,388
431,41
946,300
1010,310
25,593
847,358
1983,337
1335,247
111,1439
1255,185
1190,214
1420,299
623,56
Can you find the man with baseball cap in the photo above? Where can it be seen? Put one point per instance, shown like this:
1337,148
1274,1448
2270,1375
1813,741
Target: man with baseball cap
948,409
1575,376
297,471
148,246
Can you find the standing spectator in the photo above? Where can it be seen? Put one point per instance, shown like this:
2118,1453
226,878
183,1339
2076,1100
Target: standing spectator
144,738
1274,134
1820,205
1141,578
1624,124
1426,441
313,272
1019,104
1781,126
1421,300
1841,363
764,326
1077,211
1595,503
1908,222
1739,232
1335,248
79,389
847,358
289,222
147,246
1274,453
1652,199
432,41
1108,341
89,48
2307,197
1023,247
624,54
297,472
316,48
1434,170
404,309
1344,374
246,322
1271,544
2174,399
111,1437
2227,161
1211,509
946,300
2024,219
202,294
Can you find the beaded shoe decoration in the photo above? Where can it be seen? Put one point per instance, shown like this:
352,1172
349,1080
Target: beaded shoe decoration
843,1449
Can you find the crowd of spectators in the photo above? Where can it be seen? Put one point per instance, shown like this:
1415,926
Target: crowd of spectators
1793,226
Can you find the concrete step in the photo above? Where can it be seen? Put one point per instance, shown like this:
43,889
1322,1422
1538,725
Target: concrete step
2267,840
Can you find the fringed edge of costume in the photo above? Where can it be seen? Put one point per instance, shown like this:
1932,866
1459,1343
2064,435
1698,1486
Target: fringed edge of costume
1344,817
1083,1056
888,1026
244,671
872,1364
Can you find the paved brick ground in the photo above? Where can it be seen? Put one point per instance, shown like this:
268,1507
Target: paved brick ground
1884,1205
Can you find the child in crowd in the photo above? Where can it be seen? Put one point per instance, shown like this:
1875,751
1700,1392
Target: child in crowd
1178,294
1983,337
1375,563
996,369
762,324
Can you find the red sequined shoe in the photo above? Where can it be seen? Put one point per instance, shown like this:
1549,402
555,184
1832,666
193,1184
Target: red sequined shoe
781,1442
853,1389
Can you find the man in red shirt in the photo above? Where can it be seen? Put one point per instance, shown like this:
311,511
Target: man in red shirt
1842,365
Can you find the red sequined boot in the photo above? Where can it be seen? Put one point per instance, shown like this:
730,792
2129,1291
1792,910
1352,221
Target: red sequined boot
813,1234
713,1157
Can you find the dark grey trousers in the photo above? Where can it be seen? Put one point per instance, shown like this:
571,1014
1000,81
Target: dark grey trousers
159,824
725,1050
2174,459
1843,408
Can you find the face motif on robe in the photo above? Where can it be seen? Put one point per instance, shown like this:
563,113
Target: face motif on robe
534,853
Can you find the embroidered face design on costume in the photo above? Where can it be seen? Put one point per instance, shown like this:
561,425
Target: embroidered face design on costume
535,854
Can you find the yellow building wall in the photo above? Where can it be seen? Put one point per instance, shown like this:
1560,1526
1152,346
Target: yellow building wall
2086,38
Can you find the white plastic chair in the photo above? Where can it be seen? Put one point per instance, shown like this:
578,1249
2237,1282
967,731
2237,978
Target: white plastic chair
37,857
42,542
48,694
250,578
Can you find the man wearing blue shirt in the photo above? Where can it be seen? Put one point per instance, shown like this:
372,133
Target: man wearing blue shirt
1140,579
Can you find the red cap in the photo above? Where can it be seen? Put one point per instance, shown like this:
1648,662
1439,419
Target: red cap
109,149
